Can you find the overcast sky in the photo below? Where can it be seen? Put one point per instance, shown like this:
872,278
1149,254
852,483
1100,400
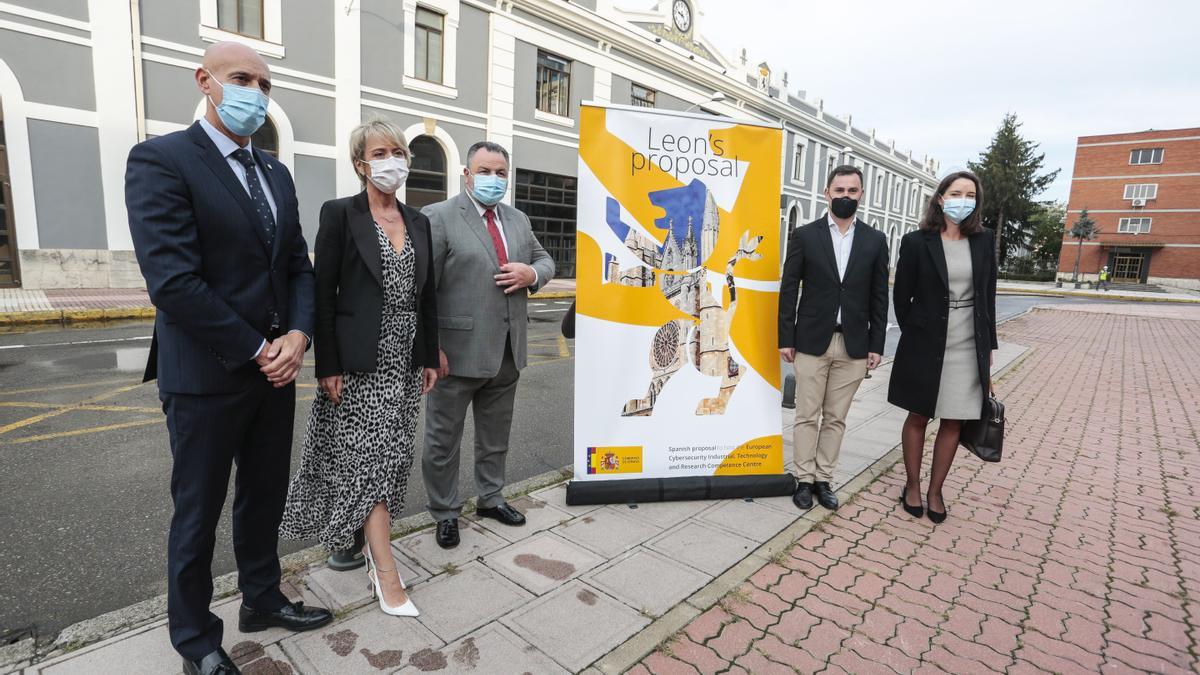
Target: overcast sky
939,77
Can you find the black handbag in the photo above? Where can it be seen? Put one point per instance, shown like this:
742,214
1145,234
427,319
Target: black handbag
985,436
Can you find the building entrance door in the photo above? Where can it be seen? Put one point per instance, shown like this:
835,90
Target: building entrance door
1127,268
10,272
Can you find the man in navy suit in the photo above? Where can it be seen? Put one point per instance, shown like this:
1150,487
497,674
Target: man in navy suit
216,228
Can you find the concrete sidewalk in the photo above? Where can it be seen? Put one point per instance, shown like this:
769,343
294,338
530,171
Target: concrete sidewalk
22,307
576,587
1068,290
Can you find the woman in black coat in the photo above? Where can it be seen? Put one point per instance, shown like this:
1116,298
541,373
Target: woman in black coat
376,344
945,301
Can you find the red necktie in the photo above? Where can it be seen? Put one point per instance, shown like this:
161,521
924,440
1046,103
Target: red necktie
496,240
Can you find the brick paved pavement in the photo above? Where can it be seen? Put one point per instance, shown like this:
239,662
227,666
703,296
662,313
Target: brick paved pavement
1080,552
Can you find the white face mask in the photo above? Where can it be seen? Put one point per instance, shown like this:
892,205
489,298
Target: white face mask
388,174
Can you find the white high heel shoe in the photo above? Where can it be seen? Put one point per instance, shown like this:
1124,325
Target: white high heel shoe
371,563
406,609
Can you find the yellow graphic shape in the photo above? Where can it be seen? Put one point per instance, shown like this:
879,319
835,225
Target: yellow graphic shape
757,205
757,311
756,208
615,459
763,455
633,305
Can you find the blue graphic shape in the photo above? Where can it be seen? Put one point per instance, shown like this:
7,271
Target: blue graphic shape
679,204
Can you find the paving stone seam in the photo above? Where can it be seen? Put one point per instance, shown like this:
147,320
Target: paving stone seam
1116,632
858,537
1189,620
1110,627
1013,372
1026,621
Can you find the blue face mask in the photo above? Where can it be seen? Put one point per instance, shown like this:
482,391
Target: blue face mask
489,189
958,209
243,110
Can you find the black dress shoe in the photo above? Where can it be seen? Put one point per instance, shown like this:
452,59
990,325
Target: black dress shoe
216,663
295,617
914,511
503,513
802,497
447,533
825,495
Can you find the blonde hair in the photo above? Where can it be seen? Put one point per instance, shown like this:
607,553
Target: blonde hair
376,126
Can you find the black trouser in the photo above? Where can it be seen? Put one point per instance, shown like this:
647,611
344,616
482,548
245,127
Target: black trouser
208,434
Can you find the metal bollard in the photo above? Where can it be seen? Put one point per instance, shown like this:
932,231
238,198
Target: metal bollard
789,392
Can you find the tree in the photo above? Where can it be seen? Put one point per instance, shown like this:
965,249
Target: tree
1046,233
1083,229
1008,170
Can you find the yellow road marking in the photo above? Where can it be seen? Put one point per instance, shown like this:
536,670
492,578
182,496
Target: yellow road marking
61,387
79,432
55,406
60,411
563,350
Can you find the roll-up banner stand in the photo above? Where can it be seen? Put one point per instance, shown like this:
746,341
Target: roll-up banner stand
677,377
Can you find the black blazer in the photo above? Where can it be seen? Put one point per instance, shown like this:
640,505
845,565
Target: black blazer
208,268
862,294
922,300
350,288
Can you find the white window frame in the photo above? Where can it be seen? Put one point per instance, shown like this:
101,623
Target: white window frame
1141,191
880,189
1136,225
914,198
799,154
272,42
898,194
449,11
1161,152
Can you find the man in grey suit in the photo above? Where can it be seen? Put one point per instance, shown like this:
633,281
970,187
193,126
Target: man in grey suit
485,256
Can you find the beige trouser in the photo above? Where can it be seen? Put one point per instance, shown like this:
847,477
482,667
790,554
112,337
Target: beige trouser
825,387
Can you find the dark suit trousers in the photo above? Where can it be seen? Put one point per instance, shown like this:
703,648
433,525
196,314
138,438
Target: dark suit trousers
491,400
208,434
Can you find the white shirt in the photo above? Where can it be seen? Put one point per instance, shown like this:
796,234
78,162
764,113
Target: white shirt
226,146
841,250
496,216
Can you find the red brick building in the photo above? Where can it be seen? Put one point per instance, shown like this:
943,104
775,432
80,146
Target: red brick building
1143,191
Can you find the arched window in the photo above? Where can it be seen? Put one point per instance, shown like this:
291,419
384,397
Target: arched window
793,216
267,138
427,175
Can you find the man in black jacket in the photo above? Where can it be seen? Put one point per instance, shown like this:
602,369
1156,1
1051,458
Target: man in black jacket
836,332
216,229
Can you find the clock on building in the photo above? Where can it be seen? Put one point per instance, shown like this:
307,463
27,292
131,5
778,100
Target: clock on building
681,12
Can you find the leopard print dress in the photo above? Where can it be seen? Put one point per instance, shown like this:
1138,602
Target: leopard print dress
360,453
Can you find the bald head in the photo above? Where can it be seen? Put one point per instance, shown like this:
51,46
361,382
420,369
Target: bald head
230,63
233,63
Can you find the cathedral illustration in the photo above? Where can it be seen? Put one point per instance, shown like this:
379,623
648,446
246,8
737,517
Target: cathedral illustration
680,264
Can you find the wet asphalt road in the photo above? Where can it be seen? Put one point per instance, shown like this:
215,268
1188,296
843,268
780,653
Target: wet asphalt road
84,500
84,489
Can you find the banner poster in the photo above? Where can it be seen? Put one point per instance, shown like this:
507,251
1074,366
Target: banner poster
676,368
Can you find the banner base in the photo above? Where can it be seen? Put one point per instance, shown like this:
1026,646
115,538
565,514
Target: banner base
643,490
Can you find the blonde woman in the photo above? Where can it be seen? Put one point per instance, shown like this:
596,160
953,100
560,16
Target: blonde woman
376,345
